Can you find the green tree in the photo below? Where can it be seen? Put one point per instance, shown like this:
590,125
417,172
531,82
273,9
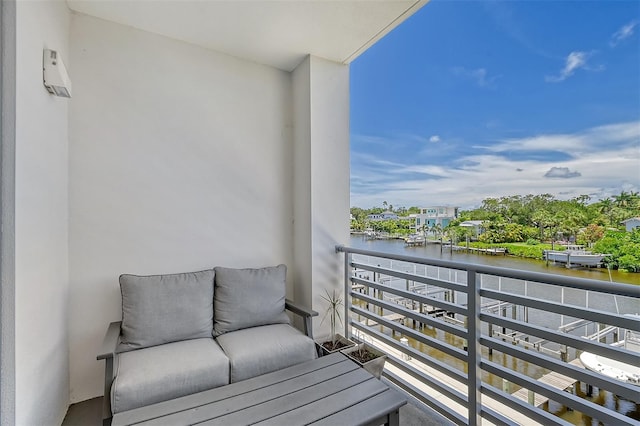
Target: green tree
624,248
591,234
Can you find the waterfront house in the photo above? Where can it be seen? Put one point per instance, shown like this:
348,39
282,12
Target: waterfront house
432,216
388,215
631,223
474,225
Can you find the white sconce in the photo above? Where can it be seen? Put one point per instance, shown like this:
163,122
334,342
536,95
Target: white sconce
56,79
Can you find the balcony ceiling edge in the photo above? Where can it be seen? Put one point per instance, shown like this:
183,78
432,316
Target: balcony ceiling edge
274,33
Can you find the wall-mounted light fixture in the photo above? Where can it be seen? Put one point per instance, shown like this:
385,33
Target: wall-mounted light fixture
56,79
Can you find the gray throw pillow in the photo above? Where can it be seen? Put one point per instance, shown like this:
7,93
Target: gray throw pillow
246,298
160,309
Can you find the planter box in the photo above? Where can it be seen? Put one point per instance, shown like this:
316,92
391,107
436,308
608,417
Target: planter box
322,351
374,366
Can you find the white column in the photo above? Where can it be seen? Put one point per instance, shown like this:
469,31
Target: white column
321,180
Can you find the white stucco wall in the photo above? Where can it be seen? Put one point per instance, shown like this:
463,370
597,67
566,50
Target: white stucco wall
321,200
7,211
329,175
302,183
180,159
41,206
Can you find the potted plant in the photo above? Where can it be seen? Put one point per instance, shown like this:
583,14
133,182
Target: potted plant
367,357
335,342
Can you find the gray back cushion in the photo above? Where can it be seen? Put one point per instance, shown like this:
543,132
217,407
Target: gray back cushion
160,309
248,298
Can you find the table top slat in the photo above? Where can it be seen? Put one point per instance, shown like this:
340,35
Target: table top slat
359,380
222,393
366,411
329,390
336,373
332,403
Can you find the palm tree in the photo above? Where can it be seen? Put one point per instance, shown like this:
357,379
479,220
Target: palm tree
437,231
605,206
624,199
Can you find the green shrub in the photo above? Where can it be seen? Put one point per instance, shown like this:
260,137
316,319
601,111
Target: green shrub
629,262
532,242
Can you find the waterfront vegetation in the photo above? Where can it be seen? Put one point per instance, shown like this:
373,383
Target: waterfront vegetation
528,225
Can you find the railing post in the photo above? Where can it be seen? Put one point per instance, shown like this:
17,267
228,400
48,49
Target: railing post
473,351
347,294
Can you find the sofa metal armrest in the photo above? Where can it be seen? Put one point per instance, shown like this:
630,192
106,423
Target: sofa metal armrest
110,341
300,310
108,352
305,313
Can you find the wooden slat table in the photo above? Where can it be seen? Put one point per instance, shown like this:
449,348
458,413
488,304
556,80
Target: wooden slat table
331,390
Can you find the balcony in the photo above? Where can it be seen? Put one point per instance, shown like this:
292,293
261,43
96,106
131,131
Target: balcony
485,345
480,344
178,153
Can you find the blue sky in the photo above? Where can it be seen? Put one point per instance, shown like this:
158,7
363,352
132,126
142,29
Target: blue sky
473,99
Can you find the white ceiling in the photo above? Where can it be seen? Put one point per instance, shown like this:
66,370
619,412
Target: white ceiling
275,33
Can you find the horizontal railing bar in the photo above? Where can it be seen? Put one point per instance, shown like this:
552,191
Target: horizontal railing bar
449,285
574,311
625,390
451,307
441,387
619,354
425,319
434,343
429,361
536,414
560,280
404,258
493,416
428,400
565,398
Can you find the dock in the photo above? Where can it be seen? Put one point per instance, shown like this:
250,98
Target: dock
553,379
491,251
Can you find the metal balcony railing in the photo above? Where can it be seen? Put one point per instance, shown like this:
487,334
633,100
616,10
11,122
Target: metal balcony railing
479,342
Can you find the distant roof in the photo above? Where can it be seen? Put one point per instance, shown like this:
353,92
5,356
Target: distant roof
472,223
630,219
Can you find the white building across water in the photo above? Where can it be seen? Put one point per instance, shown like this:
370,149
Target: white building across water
432,216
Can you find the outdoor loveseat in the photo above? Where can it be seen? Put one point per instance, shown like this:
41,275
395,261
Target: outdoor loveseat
186,333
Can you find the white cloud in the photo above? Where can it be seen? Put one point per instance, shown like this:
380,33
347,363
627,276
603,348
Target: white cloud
434,138
588,140
573,62
623,33
538,143
607,158
479,76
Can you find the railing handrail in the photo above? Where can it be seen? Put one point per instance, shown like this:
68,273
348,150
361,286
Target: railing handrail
475,338
619,289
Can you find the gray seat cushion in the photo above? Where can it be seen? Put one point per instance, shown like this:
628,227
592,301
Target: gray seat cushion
260,350
248,298
160,309
150,375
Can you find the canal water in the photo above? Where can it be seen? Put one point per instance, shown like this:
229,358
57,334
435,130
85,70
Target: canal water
622,305
433,251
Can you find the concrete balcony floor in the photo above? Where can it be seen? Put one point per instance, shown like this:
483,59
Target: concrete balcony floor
89,413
